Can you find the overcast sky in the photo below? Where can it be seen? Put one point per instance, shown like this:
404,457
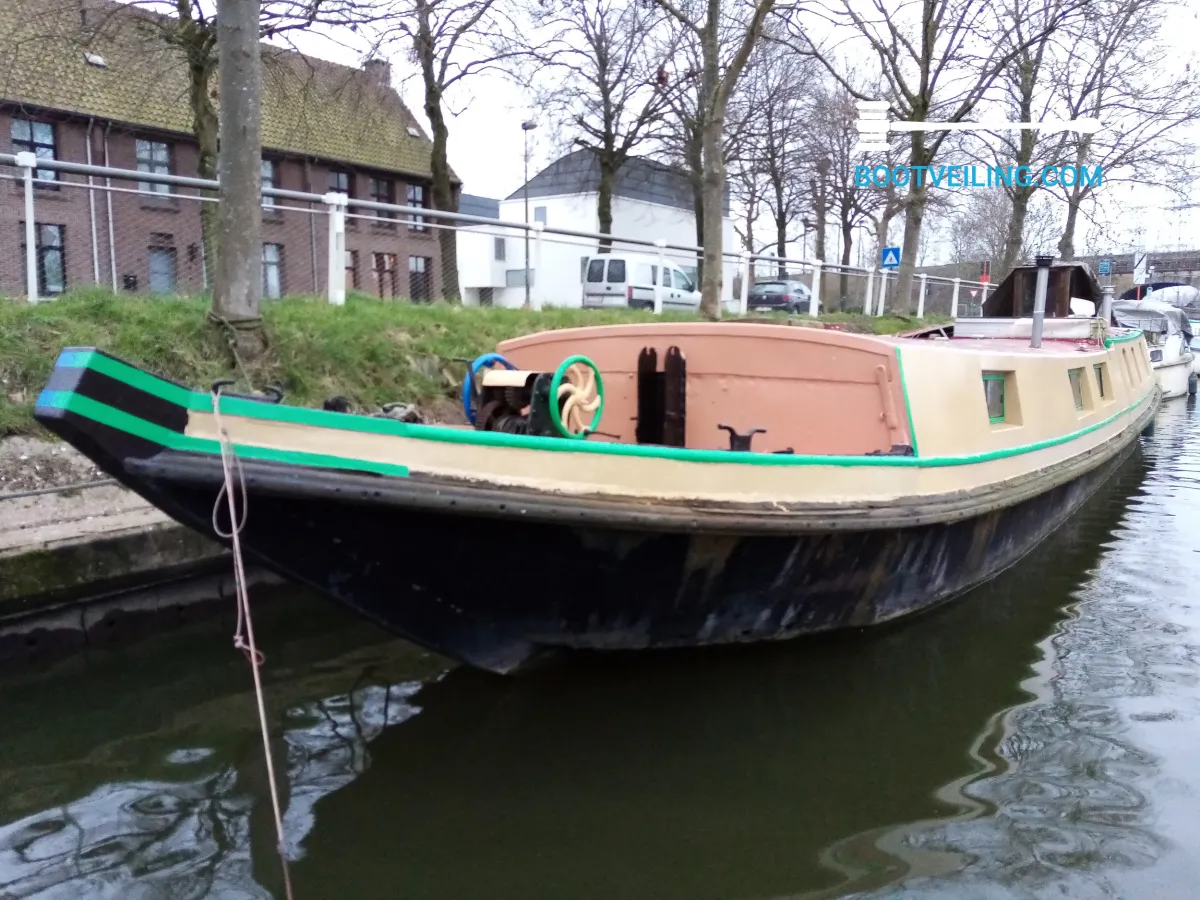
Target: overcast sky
486,144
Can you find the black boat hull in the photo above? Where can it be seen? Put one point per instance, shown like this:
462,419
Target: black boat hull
495,594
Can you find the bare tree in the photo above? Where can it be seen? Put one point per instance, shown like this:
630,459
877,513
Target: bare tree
594,69
1118,69
831,113
239,219
1028,97
449,41
726,34
773,139
938,58
979,227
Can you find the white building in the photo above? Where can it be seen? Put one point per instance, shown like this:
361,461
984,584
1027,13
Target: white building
651,201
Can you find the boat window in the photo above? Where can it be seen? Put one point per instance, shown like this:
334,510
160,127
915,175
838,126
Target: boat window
1076,378
616,270
1128,365
1100,382
595,271
993,393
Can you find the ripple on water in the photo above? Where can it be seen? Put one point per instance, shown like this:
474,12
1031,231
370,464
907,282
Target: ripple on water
1080,799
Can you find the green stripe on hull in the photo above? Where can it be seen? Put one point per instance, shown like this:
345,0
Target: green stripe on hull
912,432
173,440
200,402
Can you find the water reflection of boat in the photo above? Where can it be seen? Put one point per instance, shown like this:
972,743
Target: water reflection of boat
123,785
712,775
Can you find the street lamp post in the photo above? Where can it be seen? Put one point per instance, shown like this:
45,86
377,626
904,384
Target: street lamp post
527,127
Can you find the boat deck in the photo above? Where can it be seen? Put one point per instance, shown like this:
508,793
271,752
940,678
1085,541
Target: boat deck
1004,345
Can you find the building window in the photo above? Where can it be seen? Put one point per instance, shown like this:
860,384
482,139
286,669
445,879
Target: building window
38,138
351,269
485,296
270,179
163,271
341,182
383,190
501,248
539,214
416,197
153,157
272,266
49,247
420,269
383,269
993,394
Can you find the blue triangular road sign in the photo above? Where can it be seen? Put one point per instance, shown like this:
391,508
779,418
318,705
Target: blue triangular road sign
891,258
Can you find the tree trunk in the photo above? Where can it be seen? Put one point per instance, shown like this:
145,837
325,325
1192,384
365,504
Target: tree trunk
608,177
712,279
695,160
1016,231
1066,244
847,242
781,242
239,265
205,126
819,195
443,191
918,195
1020,195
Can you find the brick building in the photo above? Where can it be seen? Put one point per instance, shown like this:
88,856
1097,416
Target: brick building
85,82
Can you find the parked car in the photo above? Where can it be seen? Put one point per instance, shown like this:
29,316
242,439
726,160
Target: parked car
789,296
628,279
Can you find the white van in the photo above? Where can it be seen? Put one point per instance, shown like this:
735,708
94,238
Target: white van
627,280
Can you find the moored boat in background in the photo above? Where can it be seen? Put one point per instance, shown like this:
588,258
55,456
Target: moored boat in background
1169,342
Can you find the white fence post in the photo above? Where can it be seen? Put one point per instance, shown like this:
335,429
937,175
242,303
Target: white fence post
982,298
814,299
28,161
336,277
744,293
954,299
538,283
661,244
870,292
921,299
883,280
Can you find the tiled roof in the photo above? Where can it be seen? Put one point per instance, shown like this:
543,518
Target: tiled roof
484,207
310,107
638,179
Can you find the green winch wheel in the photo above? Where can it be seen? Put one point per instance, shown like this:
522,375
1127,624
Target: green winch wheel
560,374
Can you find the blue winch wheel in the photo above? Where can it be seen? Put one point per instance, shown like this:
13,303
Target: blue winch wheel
468,396
594,402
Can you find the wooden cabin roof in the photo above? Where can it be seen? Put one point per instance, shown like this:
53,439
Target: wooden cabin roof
1013,297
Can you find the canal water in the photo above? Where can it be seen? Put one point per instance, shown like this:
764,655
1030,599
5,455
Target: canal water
1038,738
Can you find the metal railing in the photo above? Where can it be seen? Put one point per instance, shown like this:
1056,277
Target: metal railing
329,218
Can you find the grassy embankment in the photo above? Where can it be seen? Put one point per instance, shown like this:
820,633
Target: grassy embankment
370,351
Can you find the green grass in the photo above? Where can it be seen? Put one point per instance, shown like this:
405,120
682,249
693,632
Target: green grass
370,351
